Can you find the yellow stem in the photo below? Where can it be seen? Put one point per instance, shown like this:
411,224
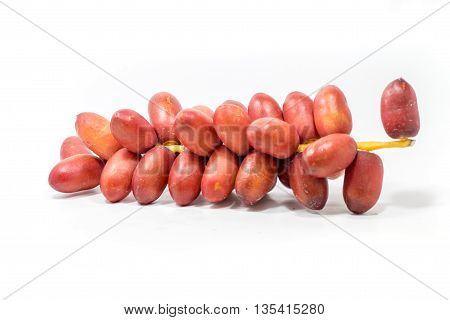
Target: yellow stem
363,145
175,147
170,143
373,145
302,147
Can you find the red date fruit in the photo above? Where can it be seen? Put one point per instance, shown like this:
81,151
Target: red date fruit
262,105
195,130
151,174
162,109
283,171
236,103
336,175
256,177
72,146
231,122
206,110
133,131
331,112
115,182
399,111
363,182
273,136
220,175
329,154
76,173
185,178
298,111
311,192
96,134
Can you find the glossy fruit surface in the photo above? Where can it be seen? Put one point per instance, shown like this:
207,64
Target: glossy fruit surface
206,110
399,111
262,105
273,136
115,182
311,192
336,175
133,131
76,173
231,122
151,174
185,178
236,103
329,154
283,171
162,109
220,175
96,134
257,175
72,146
331,112
195,130
363,182
298,110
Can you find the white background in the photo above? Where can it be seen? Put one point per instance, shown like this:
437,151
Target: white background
206,52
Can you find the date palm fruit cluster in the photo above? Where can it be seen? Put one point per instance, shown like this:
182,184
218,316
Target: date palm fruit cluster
198,150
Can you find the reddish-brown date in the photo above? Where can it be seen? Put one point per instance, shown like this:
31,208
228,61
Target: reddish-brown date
273,136
363,182
231,121
399,111
96,134
206,110
72,146
311,192
331,112
162,109
236,103
195,130
115,182
336,175
185,178
262,105
298,111
76,173
133,131
329,154
283,171
151,174
220,175
256,177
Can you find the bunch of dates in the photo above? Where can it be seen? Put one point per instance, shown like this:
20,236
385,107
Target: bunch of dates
197,150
